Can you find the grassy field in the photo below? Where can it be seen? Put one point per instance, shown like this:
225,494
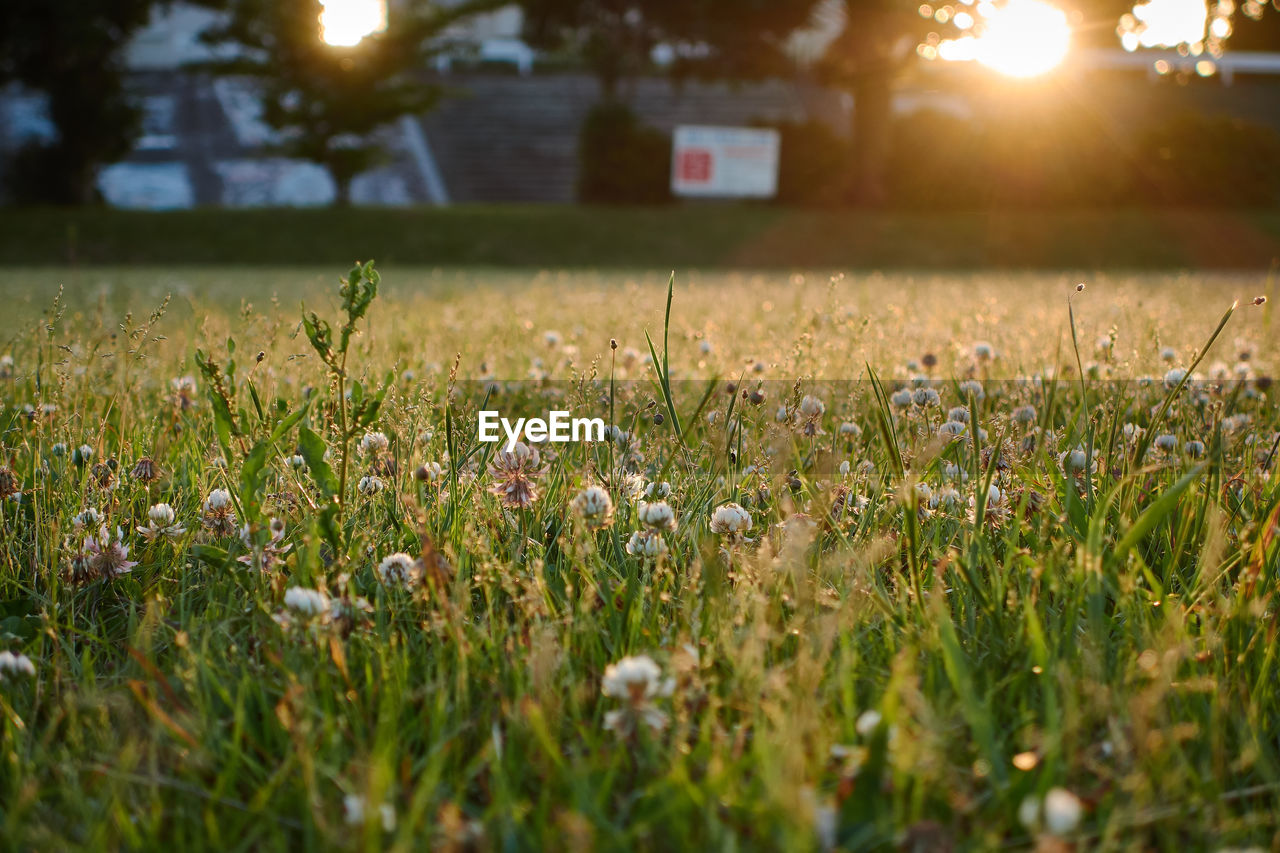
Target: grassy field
692,236
923,562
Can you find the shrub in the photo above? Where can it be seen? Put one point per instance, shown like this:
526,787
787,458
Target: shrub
620,160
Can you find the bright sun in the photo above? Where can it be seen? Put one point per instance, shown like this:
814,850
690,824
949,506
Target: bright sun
343,23
1020,38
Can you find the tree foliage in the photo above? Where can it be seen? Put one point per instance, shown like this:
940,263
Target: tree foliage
327,102
71,51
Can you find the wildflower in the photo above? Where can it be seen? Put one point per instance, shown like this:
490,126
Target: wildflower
657,515
6,366
514,470
901,398
1075,461
1166,442
296,462
145,470
637,681
845,468
429,472
1259,300
947,498
867,723
952,430
983,351
374,444
851,429
9,484
648,545
104,475
1062,811
730,520
924,397
370,485
271,553
353,809
108,556
1104,344
657,490
306,602
399,570
1173,377
219,513
1168,354
1194,449
552,338
58,450
183,397
972,388
958,413
88,518
161,523
595,507
810,414
705,347
1024,415
82,454
14,665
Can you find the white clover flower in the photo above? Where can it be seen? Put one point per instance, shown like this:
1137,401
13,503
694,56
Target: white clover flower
1194,449
782,415
1075,461
994,495
374,443
88,519
925,397
58,450
305,601
657,490
1025,414
6,366
218,499
811,406
1173,377
430,472
867,722
82,455
595,506
1166,442
947,498
14,665
983,351
953,471
398,570
952,429
646,544
370,485
297,462
730,520
551,338
972,388
1168,354
958,413
850,428
161,522
705,347
1062,811
657,515
637,681
845,468
353,809
1103,344
901,398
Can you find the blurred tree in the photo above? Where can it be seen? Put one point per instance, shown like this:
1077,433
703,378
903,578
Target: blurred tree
327,101
71,50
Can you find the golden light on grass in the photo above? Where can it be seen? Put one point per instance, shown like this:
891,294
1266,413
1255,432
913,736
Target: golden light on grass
1019,38
344,23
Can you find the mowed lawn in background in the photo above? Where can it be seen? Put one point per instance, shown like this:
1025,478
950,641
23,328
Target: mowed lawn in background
676,236
1058,635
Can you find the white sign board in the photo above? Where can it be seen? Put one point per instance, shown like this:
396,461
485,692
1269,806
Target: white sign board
724,162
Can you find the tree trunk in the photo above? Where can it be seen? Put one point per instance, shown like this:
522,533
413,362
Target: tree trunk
872,126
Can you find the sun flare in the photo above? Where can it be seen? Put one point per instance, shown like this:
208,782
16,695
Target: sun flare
343,23
1020,38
